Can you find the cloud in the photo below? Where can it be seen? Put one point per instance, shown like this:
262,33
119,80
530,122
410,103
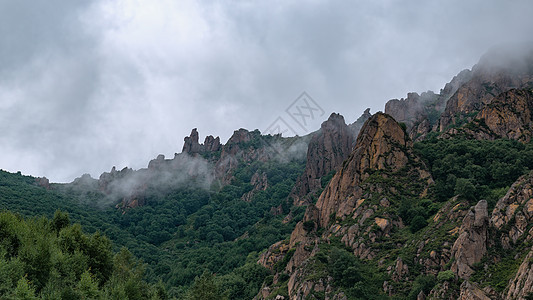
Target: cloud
88,85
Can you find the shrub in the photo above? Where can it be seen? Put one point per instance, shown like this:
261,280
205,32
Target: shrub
445,276
418,223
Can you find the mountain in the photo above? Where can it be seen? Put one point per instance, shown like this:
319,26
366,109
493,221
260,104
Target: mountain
440,220
327,150
431,199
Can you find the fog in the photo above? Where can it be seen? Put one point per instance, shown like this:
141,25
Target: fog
85,86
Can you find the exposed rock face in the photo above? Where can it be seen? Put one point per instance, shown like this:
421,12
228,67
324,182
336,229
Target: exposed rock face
471,245
198,165
107,178
356,126
129,186
381,144
327,150
497,71
470,291
156,164
457,81
410,110
86,181
123,184
509,115
273,255
400,270
433,253
235,151
43,182
191,145
420,113
522,283
515,210
302,240
259,182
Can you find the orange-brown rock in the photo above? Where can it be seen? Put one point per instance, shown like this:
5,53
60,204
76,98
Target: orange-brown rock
328,148
191,145
273,255
498,71
43,182
515,212
412,109
522,283
381,145
509,115
471,245
259,181
236,151
470,291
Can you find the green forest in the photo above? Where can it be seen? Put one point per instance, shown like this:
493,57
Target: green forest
180,236
194,243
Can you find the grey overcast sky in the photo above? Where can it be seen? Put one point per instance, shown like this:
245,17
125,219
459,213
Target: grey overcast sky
87,85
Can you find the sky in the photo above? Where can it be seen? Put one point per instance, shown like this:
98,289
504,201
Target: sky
88,85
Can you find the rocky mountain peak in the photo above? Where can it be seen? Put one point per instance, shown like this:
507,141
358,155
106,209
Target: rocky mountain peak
498,71
334,121
378,137
239,136
471,244
191,142
509,115
382,144
191,145
328,148
347,208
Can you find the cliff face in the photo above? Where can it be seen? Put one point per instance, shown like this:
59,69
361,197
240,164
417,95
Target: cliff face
488,94
413,109
327,150
521,285
191,145
509,115
507,228
497,72
356,126
382,145
354,203
236,151
471,244
378,187
198,165
420,113
514,212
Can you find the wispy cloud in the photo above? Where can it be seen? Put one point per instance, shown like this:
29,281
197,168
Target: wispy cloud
88,85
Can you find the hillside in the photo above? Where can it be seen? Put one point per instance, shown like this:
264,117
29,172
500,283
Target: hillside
446,217
431,199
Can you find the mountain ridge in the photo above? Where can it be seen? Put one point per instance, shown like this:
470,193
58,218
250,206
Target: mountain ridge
429,200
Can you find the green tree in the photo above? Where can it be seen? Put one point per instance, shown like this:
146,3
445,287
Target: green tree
24,290
205,288
343,267
60,221
88,286
465,188
422,283
417,223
